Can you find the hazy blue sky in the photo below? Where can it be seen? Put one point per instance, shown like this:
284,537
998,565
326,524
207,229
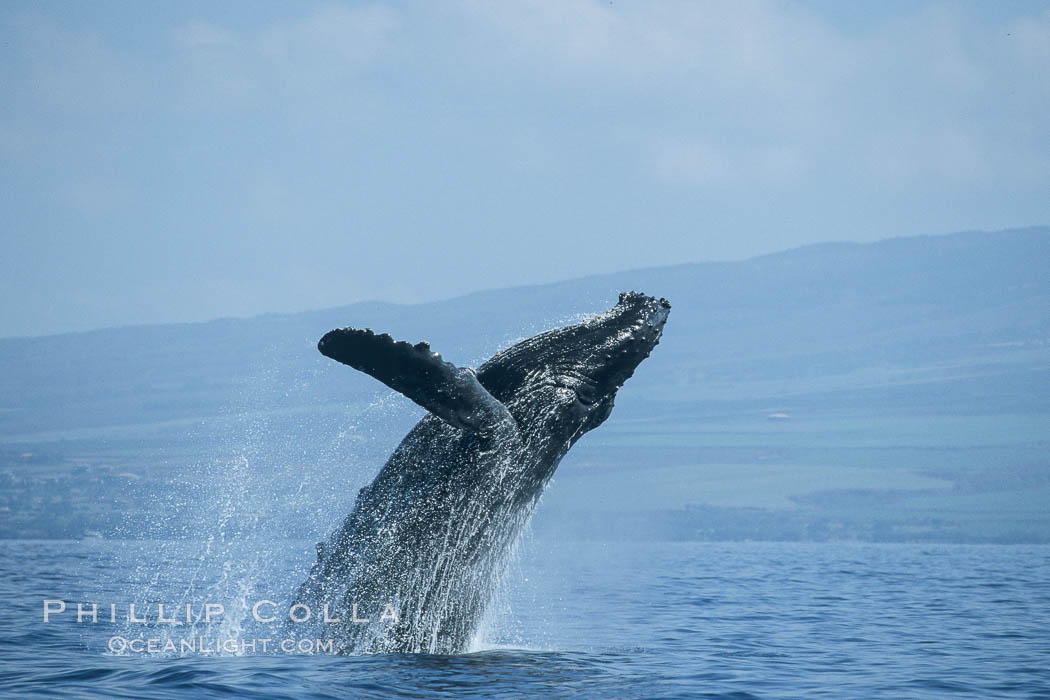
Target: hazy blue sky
187,160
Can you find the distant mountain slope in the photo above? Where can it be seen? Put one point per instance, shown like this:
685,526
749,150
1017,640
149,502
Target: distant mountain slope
823,319
898,390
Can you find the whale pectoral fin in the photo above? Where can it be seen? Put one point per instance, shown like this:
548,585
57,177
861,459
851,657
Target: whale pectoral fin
449,392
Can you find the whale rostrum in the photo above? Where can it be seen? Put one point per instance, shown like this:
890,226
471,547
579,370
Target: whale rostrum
430,536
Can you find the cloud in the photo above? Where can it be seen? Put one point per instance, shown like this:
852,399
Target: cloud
1031,38
198,33
770,92
241,140
349,36
313,53
667,47
693,163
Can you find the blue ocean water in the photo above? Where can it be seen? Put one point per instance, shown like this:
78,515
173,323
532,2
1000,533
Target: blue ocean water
587,619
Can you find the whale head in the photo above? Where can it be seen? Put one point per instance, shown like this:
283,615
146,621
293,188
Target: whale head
563,382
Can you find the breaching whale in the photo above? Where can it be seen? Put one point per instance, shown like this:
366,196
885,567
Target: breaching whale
428,540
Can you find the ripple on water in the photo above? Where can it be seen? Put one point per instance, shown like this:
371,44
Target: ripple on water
659,620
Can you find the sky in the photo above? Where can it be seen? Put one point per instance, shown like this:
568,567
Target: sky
183,161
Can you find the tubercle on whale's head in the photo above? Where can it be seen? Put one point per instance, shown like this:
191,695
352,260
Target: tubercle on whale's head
616,342
577,369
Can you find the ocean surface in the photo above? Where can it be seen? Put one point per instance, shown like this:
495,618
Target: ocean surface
586,619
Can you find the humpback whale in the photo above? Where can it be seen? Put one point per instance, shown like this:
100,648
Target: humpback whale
429,538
